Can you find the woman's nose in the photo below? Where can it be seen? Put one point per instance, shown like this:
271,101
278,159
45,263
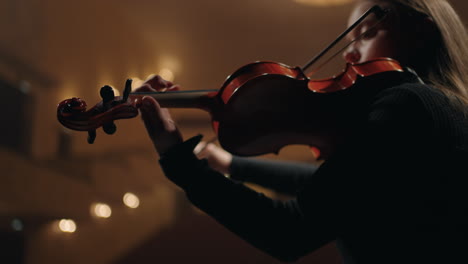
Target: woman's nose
352,55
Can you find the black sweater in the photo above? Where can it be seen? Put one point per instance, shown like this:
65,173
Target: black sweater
393,193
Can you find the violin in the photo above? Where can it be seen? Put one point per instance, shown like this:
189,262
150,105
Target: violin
260,108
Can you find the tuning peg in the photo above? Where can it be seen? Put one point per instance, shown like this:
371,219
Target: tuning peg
109,128
107,95
127,90
91,136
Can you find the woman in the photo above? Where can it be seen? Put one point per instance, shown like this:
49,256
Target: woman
392,191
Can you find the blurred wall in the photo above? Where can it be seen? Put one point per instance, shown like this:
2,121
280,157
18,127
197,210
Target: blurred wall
52,50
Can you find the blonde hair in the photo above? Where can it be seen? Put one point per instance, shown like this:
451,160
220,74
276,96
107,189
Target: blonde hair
446,66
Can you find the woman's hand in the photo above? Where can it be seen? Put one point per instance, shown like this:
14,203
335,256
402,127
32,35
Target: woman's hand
218,159
161,129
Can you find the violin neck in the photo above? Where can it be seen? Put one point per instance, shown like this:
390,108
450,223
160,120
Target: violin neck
181,99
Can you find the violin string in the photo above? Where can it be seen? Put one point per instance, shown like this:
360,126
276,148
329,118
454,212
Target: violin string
316,69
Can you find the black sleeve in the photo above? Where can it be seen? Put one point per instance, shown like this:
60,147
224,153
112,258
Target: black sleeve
380,168
276,227
281,176
362,178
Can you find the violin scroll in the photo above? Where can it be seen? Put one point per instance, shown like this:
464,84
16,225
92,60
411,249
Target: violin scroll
72,105
72,113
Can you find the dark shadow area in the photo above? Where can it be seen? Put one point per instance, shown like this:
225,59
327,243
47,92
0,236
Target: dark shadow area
197,238
15,120
11,247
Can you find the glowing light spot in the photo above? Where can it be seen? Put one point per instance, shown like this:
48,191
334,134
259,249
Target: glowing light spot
101,210
136,82
166,74
131,200
116,92
68,90
67,226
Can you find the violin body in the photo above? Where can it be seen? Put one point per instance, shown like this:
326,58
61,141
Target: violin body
259,109
267,113
266,106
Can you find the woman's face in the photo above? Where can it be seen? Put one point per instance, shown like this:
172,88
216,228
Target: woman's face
379,42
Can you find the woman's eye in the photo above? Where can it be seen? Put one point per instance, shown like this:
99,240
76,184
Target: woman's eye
369,33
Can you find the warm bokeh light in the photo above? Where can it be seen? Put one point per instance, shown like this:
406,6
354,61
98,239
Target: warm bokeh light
170,62
167,74
136,82
324,2
131,200
169,66
67,226
101,210
116,91
67,90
